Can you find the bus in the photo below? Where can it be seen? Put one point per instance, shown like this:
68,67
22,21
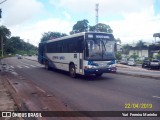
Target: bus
83,53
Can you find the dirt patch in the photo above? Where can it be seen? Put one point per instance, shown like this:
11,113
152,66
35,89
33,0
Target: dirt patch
7,102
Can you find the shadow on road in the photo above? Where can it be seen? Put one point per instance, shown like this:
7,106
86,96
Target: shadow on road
82,77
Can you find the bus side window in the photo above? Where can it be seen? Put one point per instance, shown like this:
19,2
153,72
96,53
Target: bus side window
87,49
65,46
80,44
59,47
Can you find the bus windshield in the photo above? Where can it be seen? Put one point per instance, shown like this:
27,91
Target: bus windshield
100,49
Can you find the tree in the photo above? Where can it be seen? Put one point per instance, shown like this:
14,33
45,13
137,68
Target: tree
80,26
4,34
13,44
158,56
100,27
134,56
16,45
51,35
118,56
140,45
125,49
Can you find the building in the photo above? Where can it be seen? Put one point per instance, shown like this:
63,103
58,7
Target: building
146,50
142,51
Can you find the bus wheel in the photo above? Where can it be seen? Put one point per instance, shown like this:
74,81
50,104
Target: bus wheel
99,74
72,70
47,66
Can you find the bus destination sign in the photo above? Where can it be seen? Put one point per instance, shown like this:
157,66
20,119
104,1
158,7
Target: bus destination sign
98,36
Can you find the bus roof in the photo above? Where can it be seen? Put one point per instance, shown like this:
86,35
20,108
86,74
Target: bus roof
74,35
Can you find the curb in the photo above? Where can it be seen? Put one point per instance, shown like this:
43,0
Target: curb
141,76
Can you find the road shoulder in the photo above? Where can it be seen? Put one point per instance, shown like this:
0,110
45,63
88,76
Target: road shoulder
29,97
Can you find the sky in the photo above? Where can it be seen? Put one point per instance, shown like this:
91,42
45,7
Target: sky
130,20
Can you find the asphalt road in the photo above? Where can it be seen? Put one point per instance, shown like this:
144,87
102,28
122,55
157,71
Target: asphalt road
111,92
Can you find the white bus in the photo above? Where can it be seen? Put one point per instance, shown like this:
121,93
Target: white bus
83,53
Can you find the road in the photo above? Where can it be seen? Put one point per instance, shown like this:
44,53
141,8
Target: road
111,92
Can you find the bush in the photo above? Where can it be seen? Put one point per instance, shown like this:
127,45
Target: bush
158,56
118,56
135,56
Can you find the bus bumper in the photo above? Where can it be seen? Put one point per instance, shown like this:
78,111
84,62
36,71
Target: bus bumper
100,70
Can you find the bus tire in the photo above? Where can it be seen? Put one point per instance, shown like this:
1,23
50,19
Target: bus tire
72,71
99,74
47,65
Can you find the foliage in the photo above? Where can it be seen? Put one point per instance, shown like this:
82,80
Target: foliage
158,56
140,44
80,26
5,32
135,56
15,45
51,35
100,27
125,49
118,56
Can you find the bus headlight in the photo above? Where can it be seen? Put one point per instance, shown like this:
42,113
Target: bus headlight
113,65
89,67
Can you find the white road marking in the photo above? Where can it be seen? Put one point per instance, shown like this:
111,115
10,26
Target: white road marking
39,65
156,97
26,66
11,66
19,66
32,66
40,89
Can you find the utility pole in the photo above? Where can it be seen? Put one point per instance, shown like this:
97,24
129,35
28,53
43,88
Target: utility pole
2,45
97,5
1,34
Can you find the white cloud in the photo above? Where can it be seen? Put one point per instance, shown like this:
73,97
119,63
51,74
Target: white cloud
19,11
139,20
137,26
106,7
34,32
67,15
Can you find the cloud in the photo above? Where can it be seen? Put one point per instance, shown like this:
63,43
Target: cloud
106,7
67,15
34,32
20,11
137,26
26,18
